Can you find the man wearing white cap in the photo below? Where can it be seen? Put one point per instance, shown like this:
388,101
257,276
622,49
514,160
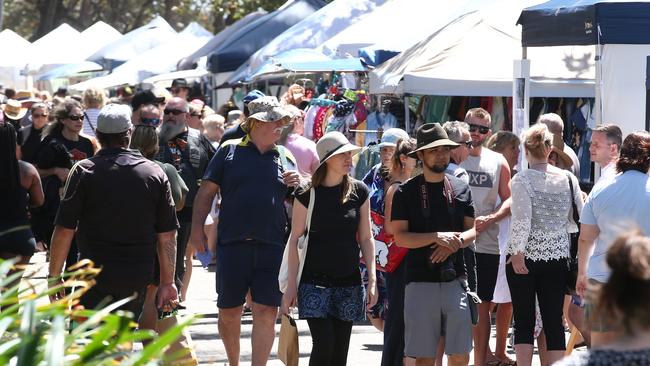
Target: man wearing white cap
254,176
120,205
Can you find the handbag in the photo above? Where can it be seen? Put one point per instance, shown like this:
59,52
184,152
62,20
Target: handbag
288,351
572,263
283,275
388,256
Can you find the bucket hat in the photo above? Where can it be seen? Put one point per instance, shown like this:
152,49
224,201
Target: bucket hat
267,109
431,135
333,143
558,148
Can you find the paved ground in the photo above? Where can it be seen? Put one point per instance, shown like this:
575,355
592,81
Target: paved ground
365,344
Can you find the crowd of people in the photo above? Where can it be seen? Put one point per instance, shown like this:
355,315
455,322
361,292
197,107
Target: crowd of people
446,236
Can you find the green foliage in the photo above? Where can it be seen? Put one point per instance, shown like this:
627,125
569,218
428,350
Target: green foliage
34,331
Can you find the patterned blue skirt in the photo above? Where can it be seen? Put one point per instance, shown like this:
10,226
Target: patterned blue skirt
344,303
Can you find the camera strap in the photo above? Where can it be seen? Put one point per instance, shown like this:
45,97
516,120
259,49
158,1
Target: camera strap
448,192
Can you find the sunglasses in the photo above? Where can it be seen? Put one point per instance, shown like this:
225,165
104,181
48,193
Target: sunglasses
76,118
481,129
153,122
175,112
468,144
39,115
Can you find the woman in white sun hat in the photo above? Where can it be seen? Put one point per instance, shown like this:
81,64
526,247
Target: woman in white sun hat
330,294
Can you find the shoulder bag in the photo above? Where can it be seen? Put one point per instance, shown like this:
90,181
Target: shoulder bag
283,275
572,263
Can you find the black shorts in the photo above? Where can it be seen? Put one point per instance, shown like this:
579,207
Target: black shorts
470,265
248,265
487,270
17,239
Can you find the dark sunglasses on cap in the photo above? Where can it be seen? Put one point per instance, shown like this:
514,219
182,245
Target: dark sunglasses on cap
153,122
175,112
76,118
481,129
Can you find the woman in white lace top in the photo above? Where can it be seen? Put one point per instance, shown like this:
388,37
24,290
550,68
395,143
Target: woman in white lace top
538,247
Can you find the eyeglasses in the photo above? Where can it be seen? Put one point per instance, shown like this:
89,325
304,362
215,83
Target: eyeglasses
36,115
76,118
481,129
468,144
153,122
175,112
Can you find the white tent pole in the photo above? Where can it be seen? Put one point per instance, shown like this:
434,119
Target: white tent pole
521,101
598,107
407,113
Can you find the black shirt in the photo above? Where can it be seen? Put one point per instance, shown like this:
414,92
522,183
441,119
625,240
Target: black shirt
51,153
31,144
333,249
118,201
407,206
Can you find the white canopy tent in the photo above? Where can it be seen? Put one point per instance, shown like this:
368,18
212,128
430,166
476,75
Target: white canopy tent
49,50
95,37
14,57
473,56
316,28
158,60
398,24
134,43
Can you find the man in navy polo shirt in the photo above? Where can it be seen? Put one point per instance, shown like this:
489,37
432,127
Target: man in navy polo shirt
253,175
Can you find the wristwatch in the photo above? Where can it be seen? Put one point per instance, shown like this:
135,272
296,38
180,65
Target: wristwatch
462,241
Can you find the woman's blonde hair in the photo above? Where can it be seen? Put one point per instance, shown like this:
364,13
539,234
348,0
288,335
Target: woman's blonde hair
145,139
94,98
501,140
538,140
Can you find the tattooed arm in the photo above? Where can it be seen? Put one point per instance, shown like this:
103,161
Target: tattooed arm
167,292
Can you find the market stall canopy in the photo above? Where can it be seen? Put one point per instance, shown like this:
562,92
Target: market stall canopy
165,80
234,51
95,37
397,25
316,28
48,50
155,61
585,22
70,69
132,44
15,49
188,62
461,60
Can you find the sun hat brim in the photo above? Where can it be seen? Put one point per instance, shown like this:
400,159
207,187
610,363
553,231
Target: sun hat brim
16,116
431,145
566,160
340,150
275,114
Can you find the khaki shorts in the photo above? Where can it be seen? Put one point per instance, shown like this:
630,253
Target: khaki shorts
596,321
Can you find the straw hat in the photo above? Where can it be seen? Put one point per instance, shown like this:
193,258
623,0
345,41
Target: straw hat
333,143
14,110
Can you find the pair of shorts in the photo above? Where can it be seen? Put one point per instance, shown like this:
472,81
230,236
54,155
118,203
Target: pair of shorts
487,271
432,309
248,265
379,310
596,321
17,239
344,303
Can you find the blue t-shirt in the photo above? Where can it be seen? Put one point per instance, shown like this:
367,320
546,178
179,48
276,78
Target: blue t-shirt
252,192
616,207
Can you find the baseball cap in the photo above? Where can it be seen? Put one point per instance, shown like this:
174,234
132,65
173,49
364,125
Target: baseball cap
251,96
114,118
180,83
391,136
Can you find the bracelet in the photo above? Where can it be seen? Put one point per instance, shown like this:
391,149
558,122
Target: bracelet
462,241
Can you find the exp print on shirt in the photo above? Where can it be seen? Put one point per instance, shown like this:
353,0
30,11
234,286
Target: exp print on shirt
480,179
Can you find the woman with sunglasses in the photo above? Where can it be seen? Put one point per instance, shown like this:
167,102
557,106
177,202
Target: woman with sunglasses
31,135
61,148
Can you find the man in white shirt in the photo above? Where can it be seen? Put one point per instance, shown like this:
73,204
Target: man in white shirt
604,149
458,132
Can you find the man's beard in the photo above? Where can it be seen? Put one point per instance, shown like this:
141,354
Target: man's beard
437,168
168,130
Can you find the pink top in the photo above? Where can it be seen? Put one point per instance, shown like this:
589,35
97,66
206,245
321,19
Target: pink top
304,150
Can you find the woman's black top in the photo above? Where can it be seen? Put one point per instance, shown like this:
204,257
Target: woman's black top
333,250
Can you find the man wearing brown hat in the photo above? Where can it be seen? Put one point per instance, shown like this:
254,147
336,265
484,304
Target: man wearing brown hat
14,112
433,216
180,88
254,176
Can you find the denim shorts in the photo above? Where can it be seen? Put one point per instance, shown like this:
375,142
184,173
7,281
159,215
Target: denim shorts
344,303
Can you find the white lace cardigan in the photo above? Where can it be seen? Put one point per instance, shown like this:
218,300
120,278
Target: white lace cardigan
542,215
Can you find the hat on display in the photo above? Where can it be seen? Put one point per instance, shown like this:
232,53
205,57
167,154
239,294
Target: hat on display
180,83
114,118
391,136
252,95
145,97
14,110
558,148
431,135
333,143
267,109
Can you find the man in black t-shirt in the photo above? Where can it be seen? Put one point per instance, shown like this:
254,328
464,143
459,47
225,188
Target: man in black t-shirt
433,216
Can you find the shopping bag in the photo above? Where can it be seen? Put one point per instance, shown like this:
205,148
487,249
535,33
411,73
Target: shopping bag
288,344
181,347
303,241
